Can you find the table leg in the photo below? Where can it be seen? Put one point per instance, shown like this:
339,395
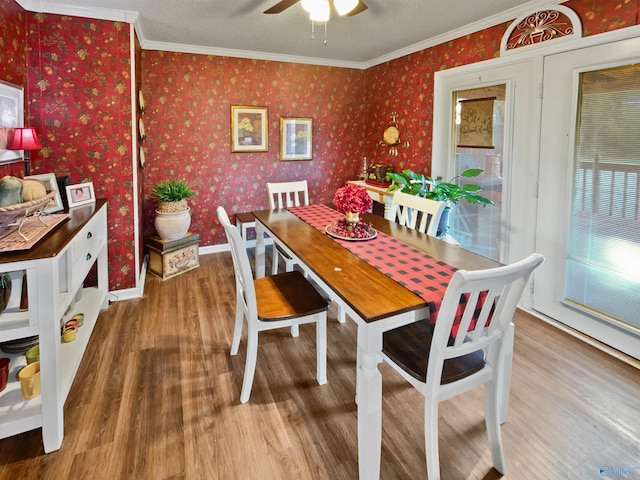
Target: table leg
388,211
259,250
369,400
505,381
51,391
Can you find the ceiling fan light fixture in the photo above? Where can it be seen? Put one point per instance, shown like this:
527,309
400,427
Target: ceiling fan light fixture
344,6
307,5
321,11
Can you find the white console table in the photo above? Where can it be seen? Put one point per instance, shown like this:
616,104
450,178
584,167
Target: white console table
56,268
379,194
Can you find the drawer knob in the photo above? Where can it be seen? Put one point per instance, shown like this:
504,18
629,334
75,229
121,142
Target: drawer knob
89,235
88,256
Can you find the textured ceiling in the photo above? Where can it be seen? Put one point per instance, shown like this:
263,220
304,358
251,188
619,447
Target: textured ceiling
387,29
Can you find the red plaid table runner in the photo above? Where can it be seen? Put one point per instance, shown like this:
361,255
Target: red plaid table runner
411,268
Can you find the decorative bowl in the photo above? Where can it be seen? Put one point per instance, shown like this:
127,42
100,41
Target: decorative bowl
33,354
79,317
10,214
69,334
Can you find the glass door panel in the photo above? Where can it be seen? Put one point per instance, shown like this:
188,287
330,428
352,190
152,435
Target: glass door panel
604,233
589,197
479,228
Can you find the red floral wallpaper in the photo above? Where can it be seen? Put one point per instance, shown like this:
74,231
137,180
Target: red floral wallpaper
78,98
187,123
405,85
13,58
77,77
13,49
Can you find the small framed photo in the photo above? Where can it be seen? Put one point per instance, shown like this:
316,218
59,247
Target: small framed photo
249,129
50,183
80,194
296,138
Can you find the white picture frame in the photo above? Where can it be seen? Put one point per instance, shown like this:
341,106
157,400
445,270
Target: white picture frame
80,194
12,106
50,183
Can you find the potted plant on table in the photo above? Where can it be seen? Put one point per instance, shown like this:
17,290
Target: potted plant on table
418,184
173,215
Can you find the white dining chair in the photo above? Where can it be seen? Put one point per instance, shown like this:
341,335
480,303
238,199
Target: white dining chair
286,195
449,358
271,302
408,209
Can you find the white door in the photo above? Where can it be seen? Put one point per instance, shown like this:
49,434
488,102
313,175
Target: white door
588,201
503,231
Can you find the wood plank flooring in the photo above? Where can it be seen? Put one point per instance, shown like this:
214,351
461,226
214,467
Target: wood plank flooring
157,397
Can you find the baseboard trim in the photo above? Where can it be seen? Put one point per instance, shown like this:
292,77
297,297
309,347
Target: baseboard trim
585,338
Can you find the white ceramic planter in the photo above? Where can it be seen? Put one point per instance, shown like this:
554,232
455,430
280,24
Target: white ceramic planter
172,225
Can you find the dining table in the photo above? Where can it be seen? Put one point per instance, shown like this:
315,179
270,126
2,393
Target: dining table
394,277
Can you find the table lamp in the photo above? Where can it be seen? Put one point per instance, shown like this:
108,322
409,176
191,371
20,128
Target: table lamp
24,138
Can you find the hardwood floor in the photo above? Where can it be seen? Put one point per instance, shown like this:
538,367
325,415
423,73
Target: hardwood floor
157,396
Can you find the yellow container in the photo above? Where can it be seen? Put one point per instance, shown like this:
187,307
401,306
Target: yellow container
69,334
29,378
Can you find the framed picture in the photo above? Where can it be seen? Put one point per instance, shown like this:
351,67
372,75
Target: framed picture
249,129
50,183
80,194
296,138
11,116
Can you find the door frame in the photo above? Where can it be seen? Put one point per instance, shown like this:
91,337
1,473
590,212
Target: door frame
520,157
525,144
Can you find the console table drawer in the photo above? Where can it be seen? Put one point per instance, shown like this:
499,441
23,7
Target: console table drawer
85,246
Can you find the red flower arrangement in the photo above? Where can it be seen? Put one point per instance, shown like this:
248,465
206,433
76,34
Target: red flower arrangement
352,198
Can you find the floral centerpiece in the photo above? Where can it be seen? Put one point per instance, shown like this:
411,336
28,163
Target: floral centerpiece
352,200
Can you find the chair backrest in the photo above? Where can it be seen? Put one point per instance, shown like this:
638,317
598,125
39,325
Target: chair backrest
408,209
483,301
287,194
245,289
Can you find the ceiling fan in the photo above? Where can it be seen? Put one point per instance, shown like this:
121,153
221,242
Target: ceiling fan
284,4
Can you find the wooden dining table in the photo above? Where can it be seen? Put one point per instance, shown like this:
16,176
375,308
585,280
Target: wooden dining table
374,300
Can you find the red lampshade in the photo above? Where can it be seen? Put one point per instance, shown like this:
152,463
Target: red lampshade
24,139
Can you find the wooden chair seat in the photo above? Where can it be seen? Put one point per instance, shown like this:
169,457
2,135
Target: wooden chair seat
287,295
410,347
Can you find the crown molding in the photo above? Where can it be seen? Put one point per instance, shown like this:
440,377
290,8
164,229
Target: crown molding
492,21
42,6
228,52
130,16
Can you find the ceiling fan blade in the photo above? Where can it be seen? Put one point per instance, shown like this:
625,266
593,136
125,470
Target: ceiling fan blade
361,7
281,6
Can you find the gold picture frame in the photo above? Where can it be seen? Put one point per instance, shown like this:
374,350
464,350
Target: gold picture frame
249,129
296,138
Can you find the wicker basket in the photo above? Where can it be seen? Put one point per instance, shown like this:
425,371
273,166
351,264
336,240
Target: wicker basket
11,214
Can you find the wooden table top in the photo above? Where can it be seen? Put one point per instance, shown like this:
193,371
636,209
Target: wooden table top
379,296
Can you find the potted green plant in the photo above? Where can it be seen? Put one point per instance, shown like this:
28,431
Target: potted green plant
173,215
418,184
